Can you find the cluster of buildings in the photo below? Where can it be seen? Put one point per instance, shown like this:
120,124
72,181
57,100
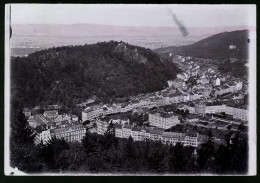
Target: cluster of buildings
52,124
199,83
203,80
124,130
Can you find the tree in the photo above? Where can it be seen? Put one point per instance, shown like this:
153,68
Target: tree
91,144
20,130
206,157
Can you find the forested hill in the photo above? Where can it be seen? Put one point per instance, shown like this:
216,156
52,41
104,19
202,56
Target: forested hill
72,74
219,46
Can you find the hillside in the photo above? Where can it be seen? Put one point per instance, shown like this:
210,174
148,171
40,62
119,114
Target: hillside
223,45
72,74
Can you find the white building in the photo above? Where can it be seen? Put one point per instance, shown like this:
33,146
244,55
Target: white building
162,120
43,137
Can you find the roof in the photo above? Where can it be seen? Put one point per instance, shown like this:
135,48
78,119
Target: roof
51,113
127,126
138,129
225,87
191,133
118,126
158,131
40,119
218,88
67,128
173,134
192,116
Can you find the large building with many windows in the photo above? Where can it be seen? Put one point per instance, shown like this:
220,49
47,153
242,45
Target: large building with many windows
163,120
150,133
70,133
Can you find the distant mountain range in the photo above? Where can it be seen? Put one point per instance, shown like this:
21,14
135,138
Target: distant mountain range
108,30
28,38
219,46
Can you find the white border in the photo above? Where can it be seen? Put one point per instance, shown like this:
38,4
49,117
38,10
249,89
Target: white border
7,91
252,107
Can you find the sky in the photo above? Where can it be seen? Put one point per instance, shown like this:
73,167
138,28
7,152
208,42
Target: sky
134,15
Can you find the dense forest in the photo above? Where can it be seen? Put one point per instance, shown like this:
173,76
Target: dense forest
108,154
219,46
71,74
236,68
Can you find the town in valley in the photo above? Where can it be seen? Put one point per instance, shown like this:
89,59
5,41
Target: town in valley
200,99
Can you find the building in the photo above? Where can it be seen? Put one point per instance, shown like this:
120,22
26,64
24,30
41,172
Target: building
200,108
102,125
62,117
75,118
70,133
192,118
190,138
127,130
27,113
163,120
172,138
51,114
215,109
138,133
91,113
156,134
38,120
237,113
44,137
118,130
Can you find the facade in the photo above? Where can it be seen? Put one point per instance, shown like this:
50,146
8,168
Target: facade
187,139
215,109
118,131
101,126
43,137
138,134
127,130
89,114
162,120
154,134
237,113
70,133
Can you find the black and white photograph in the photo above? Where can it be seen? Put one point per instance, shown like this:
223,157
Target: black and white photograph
130,89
